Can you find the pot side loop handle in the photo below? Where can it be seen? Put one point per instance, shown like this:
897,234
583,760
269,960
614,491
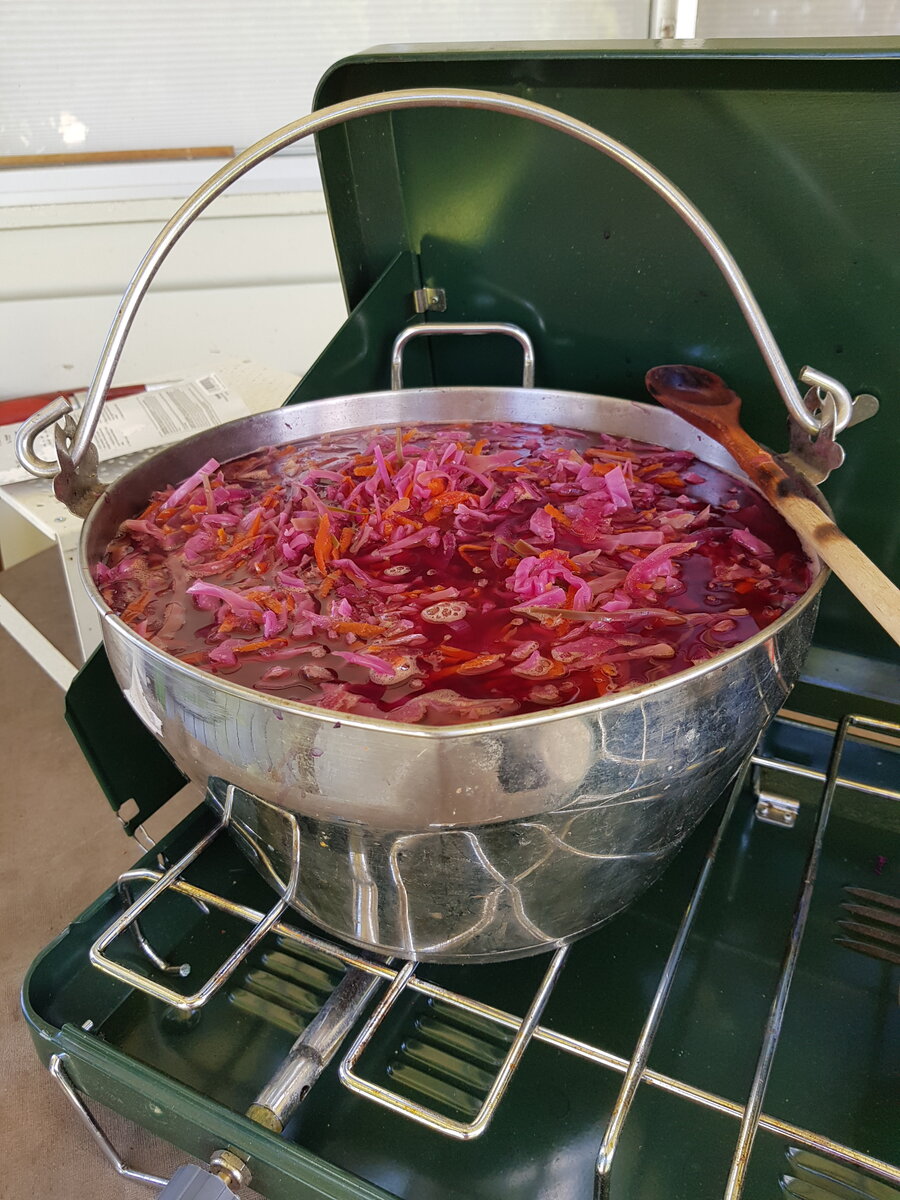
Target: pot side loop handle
386,102
464,327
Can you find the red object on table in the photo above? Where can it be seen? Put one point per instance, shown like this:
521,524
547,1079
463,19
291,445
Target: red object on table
13,412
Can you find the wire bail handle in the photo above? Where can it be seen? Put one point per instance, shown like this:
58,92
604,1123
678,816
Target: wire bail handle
77,487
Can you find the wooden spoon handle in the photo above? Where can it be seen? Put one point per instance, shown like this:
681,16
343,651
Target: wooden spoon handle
868,583
706,402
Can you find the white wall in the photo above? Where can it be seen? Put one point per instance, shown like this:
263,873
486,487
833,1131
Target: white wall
254,277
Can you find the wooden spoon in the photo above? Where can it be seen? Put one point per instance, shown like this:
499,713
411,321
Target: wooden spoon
703,400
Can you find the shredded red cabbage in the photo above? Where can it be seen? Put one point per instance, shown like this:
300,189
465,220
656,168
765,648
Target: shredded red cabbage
453,573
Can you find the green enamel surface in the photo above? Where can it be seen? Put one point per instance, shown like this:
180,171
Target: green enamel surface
835,1070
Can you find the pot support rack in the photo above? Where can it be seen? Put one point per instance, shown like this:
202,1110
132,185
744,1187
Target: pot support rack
363,974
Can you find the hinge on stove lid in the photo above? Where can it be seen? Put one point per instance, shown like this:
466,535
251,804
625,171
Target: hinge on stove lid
135,772
430,299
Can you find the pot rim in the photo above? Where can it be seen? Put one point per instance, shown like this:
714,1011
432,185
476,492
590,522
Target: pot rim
583,708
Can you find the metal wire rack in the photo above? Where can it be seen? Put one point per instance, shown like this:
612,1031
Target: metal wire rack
634,1070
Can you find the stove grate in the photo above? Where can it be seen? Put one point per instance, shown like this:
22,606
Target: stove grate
635,1071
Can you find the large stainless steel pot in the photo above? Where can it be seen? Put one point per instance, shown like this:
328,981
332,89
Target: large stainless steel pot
465,842
471,842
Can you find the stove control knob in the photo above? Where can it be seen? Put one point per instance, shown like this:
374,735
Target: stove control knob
196,1183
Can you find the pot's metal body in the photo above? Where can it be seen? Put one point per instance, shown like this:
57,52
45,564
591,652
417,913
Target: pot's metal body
470,842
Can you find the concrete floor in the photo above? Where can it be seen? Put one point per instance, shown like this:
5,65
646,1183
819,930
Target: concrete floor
60,847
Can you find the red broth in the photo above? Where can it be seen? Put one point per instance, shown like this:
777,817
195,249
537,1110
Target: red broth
455,572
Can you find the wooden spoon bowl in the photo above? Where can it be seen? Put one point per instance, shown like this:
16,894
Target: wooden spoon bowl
706,402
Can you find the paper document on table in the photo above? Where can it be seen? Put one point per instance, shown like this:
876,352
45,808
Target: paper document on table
140,422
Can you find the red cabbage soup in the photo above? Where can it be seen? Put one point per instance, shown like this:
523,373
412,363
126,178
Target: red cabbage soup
452,573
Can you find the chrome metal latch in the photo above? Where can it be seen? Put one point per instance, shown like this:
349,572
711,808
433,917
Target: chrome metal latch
828,401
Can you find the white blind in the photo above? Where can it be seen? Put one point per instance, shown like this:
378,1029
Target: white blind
798,18
112,75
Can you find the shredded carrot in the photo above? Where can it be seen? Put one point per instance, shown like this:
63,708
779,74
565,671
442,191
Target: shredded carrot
399,506
447,500
345,539
601,682
136,607
555,513
594,452
151,509
461,550
455,654
480,664
744,586
323,545
479,446
364,472
262,644
453,669
221,536
361,628
510,629
669,479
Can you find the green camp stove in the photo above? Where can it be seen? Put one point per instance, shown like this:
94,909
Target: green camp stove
735,1031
